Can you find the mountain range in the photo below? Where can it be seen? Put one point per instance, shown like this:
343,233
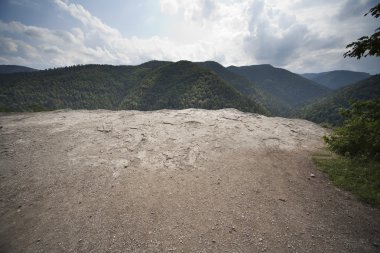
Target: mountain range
154,85
149,86
248,88
9,69
289,88
337,79
327,108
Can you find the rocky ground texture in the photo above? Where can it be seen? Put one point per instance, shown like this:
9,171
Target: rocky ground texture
172,181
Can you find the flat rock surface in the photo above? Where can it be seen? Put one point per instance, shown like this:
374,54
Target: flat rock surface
172,181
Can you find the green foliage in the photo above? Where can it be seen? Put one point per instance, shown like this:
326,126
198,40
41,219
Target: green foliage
326,110
76,87
186,85
366,45
248,88
358,139
360,134
360,177
150,86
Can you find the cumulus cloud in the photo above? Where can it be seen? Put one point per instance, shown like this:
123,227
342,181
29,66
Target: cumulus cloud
169,6
194,10
352,8
78,12
8,45
17,49
42,45
302,36
306,36
97,42
278,37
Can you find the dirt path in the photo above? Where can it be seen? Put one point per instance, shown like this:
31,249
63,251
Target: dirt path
171,181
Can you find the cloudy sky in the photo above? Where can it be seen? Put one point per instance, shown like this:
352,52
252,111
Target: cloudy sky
299,35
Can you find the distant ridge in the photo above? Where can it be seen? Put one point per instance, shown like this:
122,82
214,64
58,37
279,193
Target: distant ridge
248,88
9,69
287,87
337,78
327,109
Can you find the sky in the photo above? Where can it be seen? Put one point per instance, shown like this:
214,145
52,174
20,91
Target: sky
299,35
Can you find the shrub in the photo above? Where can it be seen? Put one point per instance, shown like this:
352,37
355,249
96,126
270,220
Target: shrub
359,137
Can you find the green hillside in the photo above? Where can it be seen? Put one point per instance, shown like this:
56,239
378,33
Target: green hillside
77,87
337,79
327,109
149,86
183,85
248,88
286,87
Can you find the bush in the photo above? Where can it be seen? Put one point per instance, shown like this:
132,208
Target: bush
359,137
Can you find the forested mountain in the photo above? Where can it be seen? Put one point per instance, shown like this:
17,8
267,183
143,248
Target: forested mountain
287,87
7,69
327,109
76,87
161,84
185,85
248,88
149,86
337,79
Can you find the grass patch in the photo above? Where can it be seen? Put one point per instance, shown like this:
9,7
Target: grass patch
359,177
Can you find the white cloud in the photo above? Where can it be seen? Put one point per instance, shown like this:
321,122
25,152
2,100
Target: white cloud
169,6
191,9
77,11
304,36
9,45
41,45
298,35
276,36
